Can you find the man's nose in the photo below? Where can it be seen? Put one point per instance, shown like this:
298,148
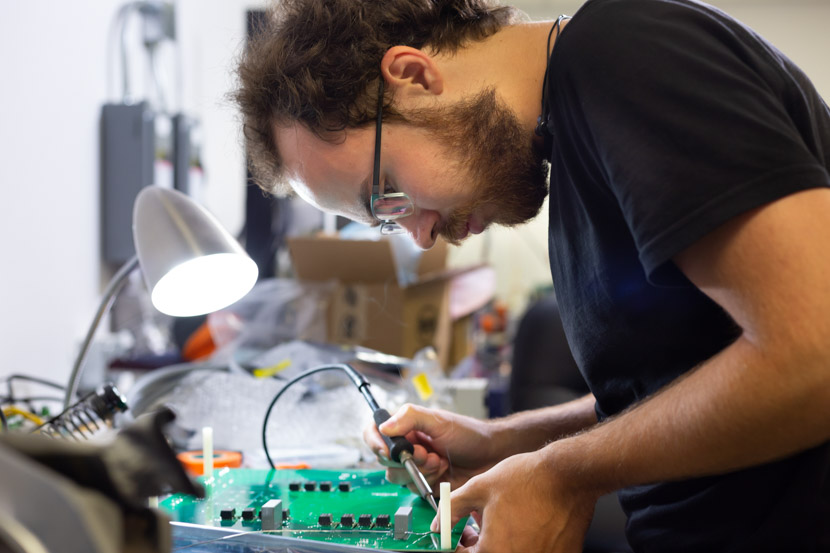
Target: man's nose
422,226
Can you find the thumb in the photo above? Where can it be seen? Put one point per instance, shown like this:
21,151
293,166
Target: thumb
463,502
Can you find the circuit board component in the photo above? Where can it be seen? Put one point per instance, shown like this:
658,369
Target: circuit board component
357,508
403,520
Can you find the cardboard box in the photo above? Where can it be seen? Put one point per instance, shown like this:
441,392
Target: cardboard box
370,308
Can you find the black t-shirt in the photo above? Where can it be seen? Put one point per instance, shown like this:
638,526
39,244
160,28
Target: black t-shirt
668,119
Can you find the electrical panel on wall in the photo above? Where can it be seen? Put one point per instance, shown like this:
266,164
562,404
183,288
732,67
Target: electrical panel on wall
144,140
127,144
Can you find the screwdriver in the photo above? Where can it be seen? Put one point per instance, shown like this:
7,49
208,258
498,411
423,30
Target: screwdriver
400,449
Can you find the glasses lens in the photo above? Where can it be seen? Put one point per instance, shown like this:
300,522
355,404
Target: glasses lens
391,228
392,206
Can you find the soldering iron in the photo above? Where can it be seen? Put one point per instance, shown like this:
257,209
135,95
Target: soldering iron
400,449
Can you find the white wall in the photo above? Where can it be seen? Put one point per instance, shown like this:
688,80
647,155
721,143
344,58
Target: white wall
53,69
53,74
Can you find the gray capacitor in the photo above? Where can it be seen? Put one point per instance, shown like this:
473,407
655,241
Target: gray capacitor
271,514
403,521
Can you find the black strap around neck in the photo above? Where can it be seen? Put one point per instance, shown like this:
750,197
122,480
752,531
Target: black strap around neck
543,122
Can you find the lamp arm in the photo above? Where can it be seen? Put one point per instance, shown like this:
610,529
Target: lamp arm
113,287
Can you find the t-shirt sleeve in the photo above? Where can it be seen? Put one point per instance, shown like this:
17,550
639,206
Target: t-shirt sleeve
687,114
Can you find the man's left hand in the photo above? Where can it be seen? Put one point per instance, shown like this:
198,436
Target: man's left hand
521,505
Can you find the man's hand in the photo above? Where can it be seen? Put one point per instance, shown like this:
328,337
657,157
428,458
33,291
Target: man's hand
448,447
521,505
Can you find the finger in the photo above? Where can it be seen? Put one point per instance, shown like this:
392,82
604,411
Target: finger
418,437
413,417
430,464
385,461
433,466
469,537
463,501
423,444
374,440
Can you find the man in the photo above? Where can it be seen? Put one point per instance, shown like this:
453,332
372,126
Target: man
689,232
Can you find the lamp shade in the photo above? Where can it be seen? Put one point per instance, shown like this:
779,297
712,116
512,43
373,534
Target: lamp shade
191,264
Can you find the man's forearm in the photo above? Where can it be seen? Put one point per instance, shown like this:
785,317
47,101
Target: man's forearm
531,430
744,407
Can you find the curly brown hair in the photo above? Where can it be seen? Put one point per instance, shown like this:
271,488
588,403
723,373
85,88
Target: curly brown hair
317,62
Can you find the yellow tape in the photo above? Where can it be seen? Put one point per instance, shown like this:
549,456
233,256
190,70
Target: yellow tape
266,372
422,386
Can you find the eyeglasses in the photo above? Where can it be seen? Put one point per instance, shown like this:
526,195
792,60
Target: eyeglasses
387,208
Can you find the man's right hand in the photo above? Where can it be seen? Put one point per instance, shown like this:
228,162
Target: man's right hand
448,447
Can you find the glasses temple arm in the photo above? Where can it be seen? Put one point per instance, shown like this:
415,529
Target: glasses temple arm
376,172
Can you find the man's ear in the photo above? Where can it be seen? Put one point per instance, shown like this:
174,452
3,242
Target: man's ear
411,71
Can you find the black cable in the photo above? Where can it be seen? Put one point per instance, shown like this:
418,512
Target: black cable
27,399
34,379
355,376
401,450
3,421
10,398
397,445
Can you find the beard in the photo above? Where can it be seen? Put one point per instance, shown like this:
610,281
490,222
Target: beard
494,152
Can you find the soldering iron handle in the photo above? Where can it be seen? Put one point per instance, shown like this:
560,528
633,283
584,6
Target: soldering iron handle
396,444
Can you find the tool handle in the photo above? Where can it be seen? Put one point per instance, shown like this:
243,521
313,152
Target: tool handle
396,444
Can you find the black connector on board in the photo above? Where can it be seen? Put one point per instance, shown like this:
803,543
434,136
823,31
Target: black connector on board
227,514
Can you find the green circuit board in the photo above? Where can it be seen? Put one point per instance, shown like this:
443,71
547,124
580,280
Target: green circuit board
356,508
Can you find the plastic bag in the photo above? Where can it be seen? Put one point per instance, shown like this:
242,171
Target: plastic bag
275,311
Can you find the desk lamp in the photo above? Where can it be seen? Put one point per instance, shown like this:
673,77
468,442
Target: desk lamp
190,263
